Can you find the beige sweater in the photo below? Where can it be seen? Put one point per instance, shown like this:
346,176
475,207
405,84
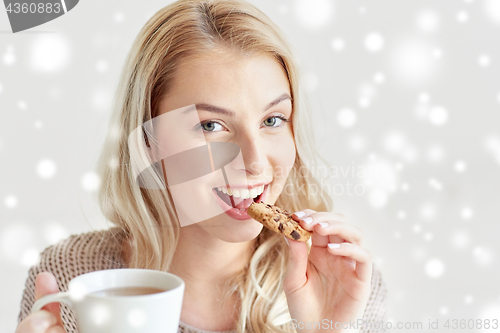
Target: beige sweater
99,250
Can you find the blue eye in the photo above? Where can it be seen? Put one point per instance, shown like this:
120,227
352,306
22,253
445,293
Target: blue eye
279,119
211,126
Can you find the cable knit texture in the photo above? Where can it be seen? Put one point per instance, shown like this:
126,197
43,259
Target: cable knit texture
102,249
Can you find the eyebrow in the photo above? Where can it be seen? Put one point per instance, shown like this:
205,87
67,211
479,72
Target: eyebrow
216,109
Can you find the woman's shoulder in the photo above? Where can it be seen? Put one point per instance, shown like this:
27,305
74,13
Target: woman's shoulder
85,252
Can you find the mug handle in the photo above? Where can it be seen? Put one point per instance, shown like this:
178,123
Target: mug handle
63,297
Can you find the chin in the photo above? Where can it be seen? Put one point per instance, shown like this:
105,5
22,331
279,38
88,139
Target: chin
246,231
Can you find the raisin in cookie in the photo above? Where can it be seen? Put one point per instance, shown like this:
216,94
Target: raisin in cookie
278,220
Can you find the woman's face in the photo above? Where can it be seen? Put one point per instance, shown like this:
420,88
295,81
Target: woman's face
256,91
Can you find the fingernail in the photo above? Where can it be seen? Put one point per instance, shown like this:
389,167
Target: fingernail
286,240
308,220
300,214
333,245
324,224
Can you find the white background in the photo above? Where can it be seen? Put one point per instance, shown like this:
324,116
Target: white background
408,88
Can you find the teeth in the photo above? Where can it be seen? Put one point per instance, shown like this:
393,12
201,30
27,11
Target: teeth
253,193
243,193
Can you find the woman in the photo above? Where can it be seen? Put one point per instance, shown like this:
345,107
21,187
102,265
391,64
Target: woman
239,277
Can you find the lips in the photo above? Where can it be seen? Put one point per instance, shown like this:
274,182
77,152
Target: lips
236,213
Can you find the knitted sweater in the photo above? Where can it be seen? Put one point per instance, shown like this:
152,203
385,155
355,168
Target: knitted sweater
102,249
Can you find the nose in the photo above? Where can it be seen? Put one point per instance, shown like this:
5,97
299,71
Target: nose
254,154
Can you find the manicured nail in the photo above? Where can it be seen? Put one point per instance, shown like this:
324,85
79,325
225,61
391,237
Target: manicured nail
286,240
300,214
308,220
324,224
333,245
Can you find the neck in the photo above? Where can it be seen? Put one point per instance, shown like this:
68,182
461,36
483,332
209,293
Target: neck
206,264
201,259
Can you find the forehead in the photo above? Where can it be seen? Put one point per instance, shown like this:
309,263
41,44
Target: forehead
226,79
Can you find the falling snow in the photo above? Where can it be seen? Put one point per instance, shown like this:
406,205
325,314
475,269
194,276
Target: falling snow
434,268
379,78
91,181
313,14
467,213
9,57
428,21
101,99
338,44
54,232
11,201
460,239
374,42
413,96
438,115
462,16
460,166
492,10
50,53
46,168
346,117
118,17
412,62
484,60
137,317
101,66
100,314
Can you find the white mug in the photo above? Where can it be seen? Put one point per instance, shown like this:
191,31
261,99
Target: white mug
150,313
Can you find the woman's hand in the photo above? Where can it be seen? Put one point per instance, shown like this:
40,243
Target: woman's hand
332,284
47,320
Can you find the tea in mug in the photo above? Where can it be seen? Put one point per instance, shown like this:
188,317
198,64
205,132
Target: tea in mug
128,291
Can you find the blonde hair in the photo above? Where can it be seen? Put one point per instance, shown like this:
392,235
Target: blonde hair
183,29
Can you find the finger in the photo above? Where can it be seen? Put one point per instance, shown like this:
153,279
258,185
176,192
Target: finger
295,276
362,256
37,322
300,215
312,218
56,329
346,231
46,284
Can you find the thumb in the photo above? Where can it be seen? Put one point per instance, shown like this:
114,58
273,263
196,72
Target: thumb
46,284
295,276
